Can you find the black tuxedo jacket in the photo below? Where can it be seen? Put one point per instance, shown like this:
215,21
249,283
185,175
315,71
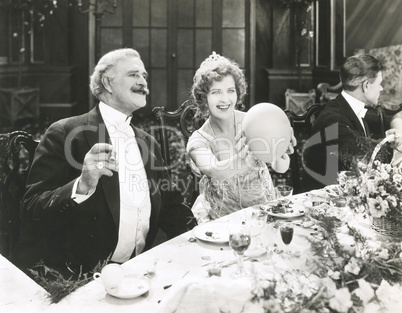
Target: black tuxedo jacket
57,230
334,141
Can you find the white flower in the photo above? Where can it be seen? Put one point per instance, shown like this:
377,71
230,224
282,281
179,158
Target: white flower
377,207
352,267
390,296
334,275
341,302
384,175
397,178
387,167
330,287
365,292
384,254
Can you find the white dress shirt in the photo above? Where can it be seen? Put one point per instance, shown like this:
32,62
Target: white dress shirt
357,107
135,202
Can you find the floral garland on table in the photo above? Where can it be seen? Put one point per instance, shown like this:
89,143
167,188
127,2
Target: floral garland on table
339,278
57,285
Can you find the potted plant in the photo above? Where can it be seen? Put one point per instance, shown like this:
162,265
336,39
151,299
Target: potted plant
22,102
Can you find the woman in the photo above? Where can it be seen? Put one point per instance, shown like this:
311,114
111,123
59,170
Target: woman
232,178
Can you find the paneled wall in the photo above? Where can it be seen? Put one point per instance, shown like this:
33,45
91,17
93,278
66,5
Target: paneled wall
59,66
173,38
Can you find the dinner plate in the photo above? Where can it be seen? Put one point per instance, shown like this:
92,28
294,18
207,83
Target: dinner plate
212,232
132,286
298,211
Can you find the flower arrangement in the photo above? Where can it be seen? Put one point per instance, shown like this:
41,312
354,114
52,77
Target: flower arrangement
362,278
381,191
383,185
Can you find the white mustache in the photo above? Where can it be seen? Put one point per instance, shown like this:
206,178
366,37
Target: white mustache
143,89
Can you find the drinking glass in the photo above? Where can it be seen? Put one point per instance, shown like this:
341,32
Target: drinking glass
287,230
256,220
269,242
283,193
239,241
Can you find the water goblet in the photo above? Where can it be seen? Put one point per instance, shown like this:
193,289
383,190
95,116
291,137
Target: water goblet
287,230
256,221
239,241
269,242
283,194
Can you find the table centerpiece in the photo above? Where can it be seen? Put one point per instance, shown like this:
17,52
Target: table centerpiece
381,191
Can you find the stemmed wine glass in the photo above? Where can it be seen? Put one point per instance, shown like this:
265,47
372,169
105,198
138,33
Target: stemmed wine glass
287,230
283,194
256,220
239,241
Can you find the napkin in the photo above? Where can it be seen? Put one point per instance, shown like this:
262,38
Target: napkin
208,295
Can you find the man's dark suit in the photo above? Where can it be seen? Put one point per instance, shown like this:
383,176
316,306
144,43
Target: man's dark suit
61,232
334,141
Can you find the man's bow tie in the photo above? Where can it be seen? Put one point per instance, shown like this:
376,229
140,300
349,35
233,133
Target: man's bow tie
362,113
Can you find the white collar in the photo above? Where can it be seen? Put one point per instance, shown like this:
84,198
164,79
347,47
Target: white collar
114,117
356,105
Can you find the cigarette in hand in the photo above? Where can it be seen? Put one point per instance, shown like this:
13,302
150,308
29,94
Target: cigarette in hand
112,157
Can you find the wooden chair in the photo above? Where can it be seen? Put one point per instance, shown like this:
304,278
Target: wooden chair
328,92
16,154
302,126
174,130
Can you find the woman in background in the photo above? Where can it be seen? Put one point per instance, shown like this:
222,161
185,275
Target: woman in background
396,129
232,178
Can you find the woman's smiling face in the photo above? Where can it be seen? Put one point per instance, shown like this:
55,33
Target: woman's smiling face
222,97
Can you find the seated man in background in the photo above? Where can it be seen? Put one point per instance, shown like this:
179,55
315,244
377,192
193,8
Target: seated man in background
94,192
337,128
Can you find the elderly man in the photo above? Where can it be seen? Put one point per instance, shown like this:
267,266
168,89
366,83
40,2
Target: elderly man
93,192
341,123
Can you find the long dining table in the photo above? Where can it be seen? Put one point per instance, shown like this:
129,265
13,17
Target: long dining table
166,266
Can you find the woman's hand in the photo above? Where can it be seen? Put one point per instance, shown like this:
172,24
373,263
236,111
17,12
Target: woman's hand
397,137
241,147
282,164
293,143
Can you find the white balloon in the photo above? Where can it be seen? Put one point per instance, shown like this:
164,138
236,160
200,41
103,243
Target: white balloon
268,131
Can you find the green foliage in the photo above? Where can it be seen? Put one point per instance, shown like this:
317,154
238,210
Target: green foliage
59,286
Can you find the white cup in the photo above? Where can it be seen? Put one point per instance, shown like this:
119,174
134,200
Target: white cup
111,276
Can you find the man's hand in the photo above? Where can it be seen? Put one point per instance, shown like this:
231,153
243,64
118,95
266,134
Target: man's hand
100,160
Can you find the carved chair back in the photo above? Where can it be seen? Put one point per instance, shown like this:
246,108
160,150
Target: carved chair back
173,132
16,154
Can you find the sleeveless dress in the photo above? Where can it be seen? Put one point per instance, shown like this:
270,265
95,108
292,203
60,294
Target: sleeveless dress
221,197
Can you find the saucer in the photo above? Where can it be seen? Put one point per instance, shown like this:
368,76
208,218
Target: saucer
132,286
212,232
